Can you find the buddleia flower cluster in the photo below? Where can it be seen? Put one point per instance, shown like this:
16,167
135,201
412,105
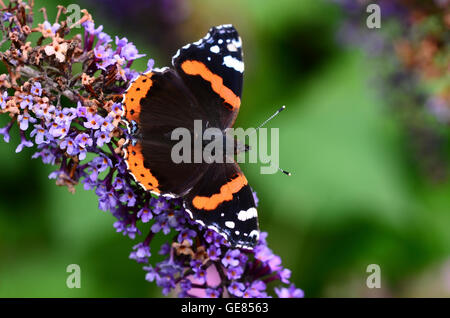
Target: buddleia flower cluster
412,49
64,93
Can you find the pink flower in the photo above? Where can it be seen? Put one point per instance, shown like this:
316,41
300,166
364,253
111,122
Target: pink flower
57,49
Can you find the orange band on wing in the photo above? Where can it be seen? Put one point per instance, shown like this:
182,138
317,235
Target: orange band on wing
143,175
132,97
225,194
198,68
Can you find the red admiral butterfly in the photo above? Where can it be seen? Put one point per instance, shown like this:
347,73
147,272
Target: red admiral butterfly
205,84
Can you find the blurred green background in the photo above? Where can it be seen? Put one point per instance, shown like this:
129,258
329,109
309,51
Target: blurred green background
356,196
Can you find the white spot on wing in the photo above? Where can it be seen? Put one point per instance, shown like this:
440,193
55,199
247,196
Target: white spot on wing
237,43
229,224
255,234
232,47
244,215
215,49
234,63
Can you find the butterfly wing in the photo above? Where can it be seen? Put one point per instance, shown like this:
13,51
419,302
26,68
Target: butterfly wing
212,68
159,102
222,200
206,84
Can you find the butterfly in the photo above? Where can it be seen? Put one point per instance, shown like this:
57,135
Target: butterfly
204,83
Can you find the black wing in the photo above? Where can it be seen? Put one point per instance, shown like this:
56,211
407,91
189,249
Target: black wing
212,68
223,200
159,102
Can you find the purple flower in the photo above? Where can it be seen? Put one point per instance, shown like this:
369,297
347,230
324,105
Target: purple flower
43,111
49,29
159,205
89,27
128,197
81,111
150,64
58,131
6,16
210,236
101,53
219,240
36,89
83,140
107,125
255,198
263,253
130,52
104,57
186,234
236,289
23,143
200,276
131,74
234,273
70,145
98,165
5,131
174,219
212,293
117,109
145,214
285,275
291,292
118,183
103,38
126,229
185,285
93,121
3,98
275,263
41,135
27,101
24,119
88,184
152,274
70,113
121,42
106,199
231,258
141,253
161,223
256,290
101,138
213,252
48,157
165,249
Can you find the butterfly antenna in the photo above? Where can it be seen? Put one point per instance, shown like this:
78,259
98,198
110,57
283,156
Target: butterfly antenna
271,117
265,122
285,172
